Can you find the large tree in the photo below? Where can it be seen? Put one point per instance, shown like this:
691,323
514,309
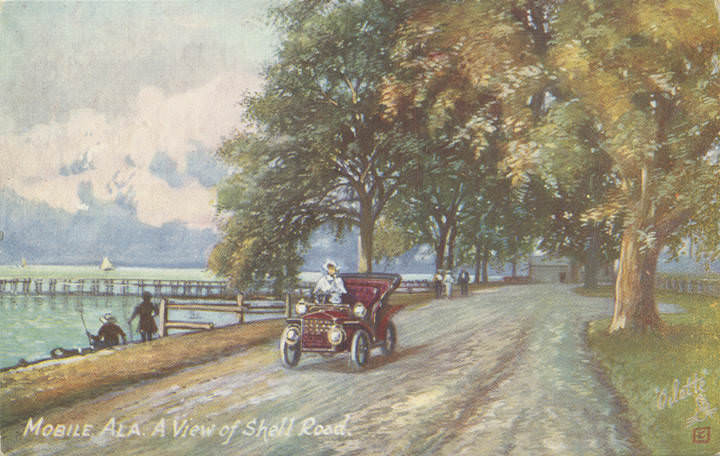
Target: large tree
648,71
267,214
320,120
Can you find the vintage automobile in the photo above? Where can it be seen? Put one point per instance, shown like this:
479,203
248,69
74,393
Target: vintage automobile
361,322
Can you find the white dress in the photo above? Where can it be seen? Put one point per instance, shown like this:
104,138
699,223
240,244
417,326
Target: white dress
449,281
332,286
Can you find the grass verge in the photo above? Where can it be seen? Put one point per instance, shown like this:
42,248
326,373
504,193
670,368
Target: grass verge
655,374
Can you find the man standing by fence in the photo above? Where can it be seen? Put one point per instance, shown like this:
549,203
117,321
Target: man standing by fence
146,310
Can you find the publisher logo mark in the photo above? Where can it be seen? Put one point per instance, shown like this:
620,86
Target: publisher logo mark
701,435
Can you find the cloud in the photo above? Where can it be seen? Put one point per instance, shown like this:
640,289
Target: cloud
45,235
59,56
78,166
166,168
203,166
141,159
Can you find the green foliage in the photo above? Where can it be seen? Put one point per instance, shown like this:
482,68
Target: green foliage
482,124
268,214
578,176
458,65
391,240
647,72
321,151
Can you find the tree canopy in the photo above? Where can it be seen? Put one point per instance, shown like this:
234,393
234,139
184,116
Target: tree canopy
328,154
591,126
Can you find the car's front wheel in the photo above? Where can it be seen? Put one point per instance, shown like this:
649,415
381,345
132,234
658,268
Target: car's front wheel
388,345
290,351
359,350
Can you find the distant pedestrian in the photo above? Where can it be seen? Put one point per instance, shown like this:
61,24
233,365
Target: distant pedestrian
146,311
438,283
448,280
109,333
464,281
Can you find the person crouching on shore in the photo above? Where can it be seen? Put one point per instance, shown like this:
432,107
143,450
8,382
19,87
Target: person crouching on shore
109,333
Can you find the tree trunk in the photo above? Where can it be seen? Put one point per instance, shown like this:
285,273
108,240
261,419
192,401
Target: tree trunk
478,261
365,245
440,247
635,306
451,249
592,259
574,271
485,261
514,267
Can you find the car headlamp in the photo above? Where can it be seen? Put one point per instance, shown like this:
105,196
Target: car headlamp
336,335
301,307
292,335
359,310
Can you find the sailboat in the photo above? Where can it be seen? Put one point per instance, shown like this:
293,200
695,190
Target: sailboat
106,265
23,262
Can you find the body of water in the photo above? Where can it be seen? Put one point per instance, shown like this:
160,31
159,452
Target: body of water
31,326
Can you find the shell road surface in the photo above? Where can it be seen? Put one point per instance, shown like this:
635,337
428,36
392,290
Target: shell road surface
502,372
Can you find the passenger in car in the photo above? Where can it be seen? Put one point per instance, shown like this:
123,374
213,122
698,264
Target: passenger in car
330,285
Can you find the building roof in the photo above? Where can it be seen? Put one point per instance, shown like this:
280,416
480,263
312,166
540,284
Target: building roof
545,260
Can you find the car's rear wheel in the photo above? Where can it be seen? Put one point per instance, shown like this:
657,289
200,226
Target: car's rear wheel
290,352
359,350
388,345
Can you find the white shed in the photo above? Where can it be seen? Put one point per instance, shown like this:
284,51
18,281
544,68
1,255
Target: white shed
549,269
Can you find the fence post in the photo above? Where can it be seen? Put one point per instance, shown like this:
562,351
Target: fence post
288,306
163,317
241,315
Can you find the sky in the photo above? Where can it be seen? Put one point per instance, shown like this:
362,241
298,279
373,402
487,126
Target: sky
111,112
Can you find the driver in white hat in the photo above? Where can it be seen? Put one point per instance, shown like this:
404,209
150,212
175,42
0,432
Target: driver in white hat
330,284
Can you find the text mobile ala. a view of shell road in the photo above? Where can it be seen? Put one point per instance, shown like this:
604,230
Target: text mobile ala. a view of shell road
398,227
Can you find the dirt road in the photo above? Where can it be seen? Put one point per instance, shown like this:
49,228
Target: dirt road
502,372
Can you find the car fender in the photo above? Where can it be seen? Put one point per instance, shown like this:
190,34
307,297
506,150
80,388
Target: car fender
353,325
386,316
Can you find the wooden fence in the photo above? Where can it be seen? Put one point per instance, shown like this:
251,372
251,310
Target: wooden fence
706,287
411,286
240,306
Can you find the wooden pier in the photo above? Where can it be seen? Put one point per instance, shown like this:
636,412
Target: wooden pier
115,287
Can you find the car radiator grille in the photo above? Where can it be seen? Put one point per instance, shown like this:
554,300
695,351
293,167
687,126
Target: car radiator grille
314,333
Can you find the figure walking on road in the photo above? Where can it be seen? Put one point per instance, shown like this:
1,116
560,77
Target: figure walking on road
438,283
464,280
146,311
448,280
